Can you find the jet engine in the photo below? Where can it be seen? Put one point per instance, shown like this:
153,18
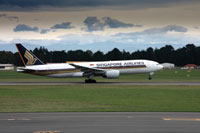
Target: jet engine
112,74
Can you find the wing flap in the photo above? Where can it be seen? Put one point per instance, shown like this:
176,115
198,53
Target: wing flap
88,70
24,69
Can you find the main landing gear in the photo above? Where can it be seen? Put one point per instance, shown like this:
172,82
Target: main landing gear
90,81
150,75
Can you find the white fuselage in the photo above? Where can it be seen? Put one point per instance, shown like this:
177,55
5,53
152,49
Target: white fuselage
67,70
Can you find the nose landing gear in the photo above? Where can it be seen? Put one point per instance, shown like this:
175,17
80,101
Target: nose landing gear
150,75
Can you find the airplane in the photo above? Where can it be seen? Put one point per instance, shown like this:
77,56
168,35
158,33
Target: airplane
89,70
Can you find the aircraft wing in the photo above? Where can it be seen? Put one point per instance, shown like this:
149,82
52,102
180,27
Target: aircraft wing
89,70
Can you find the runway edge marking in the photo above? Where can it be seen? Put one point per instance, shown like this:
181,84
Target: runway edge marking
181,119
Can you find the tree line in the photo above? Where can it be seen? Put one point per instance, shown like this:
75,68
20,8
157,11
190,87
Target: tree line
189,54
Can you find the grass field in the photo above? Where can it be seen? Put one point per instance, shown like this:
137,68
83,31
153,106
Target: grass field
102,97
164,75
99,98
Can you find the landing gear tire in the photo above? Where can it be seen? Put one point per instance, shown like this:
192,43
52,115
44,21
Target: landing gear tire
90,81
150,75
150,78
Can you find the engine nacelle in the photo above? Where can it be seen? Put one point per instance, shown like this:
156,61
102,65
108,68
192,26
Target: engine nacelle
112,74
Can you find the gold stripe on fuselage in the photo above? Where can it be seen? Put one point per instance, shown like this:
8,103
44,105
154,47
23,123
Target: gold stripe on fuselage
124,67
49,72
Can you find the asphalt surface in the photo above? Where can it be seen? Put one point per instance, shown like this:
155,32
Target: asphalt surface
100,83
100,122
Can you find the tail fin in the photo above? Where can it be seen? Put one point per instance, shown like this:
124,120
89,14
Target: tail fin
27,57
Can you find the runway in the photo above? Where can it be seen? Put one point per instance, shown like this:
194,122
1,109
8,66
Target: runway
99,83
100,122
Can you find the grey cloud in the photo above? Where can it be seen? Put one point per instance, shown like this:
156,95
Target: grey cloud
175,28
44,31
64,25
94,24
156,36
33,4
113,23
137,25
23,27
3,15
13,18
168,28
9,17
157,31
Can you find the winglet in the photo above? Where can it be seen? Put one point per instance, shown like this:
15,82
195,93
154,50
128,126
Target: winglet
27,57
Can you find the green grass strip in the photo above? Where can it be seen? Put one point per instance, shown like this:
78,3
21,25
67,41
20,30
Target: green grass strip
92,98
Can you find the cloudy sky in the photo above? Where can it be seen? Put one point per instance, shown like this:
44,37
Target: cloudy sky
99,24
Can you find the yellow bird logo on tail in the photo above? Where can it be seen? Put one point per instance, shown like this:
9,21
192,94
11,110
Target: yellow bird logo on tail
30,59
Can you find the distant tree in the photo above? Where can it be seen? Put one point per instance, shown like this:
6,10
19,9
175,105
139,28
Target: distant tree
7,57
150,54
18,61
126,55
197,56
139,55
58,56
43,54
98,56
185,55
115,54
165,54
191,53
77,55
88,55
180,56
